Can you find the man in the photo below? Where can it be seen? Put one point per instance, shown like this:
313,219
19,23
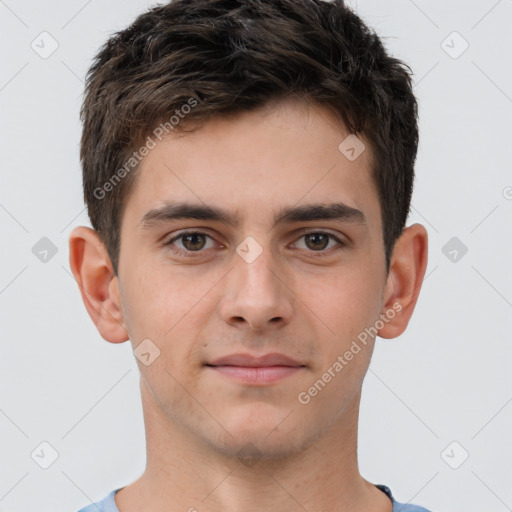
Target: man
248,169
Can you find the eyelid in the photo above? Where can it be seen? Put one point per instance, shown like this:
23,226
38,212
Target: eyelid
341,243
169,242
326,231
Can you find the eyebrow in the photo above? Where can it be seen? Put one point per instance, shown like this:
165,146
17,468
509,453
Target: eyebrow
311,212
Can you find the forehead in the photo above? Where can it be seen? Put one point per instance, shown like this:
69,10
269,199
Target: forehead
258,165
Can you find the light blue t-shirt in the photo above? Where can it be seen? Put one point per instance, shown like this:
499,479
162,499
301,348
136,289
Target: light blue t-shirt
109,505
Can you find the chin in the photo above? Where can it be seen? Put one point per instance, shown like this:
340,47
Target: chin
264,437
252,449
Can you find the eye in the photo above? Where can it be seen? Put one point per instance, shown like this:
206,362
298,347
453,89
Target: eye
191,241
195,241
318,241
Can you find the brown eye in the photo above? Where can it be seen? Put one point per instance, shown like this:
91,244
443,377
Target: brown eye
188,243
317,241
193,241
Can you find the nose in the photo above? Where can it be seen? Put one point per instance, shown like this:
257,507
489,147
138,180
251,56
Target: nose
256,295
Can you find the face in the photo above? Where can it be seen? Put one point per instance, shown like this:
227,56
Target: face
253,282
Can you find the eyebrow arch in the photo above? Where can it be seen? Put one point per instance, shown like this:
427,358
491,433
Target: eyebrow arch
312,212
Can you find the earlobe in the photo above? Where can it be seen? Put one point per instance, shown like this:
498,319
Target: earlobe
92,269
403,285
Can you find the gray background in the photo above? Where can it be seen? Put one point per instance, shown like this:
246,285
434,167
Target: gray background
447,378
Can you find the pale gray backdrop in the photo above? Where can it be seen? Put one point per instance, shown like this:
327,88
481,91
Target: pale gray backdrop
436,413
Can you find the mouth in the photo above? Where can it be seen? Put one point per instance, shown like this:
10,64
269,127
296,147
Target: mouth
249,369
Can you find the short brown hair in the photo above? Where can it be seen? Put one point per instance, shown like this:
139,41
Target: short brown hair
228,56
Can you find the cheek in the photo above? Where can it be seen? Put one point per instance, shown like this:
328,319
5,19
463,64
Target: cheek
171,311
345,302
157,298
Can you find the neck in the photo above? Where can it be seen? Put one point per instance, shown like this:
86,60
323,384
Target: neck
184,474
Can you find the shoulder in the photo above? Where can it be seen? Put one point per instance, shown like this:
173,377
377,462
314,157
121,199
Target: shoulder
400,507
107,504
407,507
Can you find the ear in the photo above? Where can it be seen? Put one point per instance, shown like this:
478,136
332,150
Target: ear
99,286
406,272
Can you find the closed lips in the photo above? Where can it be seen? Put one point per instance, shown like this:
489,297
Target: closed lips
248,360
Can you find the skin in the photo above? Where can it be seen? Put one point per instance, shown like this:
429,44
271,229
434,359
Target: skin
289,300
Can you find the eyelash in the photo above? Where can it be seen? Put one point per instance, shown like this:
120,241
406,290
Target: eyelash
192,254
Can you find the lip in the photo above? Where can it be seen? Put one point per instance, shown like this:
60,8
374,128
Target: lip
248,360
262,370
